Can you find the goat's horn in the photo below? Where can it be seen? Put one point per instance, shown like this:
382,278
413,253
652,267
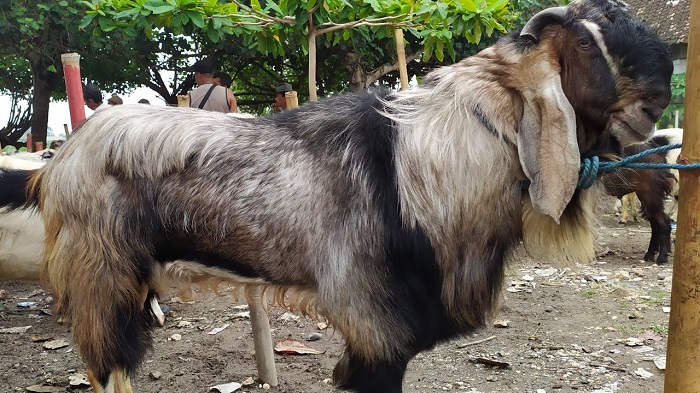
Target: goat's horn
534,26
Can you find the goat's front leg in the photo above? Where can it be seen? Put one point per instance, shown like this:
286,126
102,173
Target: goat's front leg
118,382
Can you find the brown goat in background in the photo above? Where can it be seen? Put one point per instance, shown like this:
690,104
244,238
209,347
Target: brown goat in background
652,187
394,214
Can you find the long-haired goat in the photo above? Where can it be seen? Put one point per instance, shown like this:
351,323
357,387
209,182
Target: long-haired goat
21,234
652,187
393,215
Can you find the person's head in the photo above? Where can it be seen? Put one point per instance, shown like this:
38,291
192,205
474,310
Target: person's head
92,96
280,100
115,100
144,101
222,79
203,71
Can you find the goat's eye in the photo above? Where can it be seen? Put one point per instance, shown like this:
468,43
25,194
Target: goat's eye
585,42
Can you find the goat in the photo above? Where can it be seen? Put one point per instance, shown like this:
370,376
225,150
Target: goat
392,215
675,136
21,234
628,208
652,187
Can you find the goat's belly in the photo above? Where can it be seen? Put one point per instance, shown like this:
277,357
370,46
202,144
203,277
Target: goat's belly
21,243
195,272
185,273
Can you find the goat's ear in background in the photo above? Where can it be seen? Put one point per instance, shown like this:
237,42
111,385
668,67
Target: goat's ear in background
534,26
547,146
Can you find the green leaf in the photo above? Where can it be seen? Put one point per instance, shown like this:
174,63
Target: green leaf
89,5
451,50
63,3
213,34
496,6
106,24
442,10
51,68
178,20
439,50
468,5
426,8
477,32
85,22
157,7
272,5
376,6
196,18
429,45
310,5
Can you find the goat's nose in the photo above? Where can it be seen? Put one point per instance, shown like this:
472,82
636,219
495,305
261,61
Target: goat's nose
654,112
654,106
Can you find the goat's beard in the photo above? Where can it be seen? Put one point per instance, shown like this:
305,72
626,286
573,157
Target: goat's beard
567,243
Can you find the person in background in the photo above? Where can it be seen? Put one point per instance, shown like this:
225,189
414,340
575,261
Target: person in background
114,100
280,103
144,101
208,95
222,79
93,97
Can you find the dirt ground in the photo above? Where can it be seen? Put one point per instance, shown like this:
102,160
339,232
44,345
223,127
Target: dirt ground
597,328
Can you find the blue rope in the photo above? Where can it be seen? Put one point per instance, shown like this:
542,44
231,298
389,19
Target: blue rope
592,167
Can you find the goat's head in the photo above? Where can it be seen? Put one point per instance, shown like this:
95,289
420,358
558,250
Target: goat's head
606,82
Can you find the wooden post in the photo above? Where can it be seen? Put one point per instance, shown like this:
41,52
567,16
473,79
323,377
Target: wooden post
66,130
675,123
683,353
30,142
401,55
39,146
313,97
292,99
183,100
262,339
74,88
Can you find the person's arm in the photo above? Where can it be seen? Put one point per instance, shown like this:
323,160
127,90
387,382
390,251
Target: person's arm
232,105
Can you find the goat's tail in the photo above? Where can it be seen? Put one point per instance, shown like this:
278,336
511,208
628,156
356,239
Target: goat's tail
20,188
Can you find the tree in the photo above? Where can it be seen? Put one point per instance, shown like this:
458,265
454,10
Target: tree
16,82
34,35
270,26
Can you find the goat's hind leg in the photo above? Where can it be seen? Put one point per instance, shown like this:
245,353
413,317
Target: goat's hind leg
360,375
663,238
653,243
112,321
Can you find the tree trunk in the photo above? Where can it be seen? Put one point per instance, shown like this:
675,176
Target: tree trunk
43,82
361,79
358,77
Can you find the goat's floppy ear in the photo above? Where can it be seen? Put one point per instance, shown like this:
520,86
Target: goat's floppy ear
534,26
548,147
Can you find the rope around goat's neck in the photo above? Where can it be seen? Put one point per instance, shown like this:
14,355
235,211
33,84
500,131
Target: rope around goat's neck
591,168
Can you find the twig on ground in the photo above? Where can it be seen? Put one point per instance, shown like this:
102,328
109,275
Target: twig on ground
462,345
